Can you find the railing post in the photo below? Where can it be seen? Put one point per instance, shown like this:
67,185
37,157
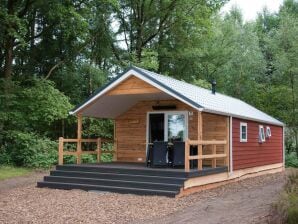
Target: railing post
200,160
186,162
214,153
98,150
115,149
227,145
79,137
200,137
60,151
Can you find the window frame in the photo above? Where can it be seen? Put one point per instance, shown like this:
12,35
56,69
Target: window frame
166,113
268,135
243,124
262,135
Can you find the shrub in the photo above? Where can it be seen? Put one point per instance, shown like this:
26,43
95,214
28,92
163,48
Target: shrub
285,210
291,160
29,150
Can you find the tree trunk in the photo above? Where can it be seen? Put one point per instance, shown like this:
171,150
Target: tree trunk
8,47
8,59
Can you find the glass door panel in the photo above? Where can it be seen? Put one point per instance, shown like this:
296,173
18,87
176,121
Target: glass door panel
156,127
176,127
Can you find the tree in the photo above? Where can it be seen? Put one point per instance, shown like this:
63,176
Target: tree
284,45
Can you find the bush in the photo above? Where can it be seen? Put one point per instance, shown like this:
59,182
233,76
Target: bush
286,209
29,150
291,160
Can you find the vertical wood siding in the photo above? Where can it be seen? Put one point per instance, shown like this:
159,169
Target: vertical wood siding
131,129
252,153
214,128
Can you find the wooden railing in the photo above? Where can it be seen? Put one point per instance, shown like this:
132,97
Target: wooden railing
201,156
99,151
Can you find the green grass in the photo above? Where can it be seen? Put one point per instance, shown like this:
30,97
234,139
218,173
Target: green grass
10,171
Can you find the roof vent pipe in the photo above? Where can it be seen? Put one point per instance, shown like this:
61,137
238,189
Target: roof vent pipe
213,83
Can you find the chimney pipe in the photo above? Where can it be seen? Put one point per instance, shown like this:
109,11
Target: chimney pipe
213,83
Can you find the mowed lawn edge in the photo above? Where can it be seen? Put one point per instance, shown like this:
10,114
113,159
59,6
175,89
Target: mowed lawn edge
7,172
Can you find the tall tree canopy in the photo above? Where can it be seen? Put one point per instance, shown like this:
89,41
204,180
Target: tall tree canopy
54,54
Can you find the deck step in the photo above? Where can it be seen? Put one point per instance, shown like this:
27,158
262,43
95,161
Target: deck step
150,171
118,176
122,178
89,187
119,183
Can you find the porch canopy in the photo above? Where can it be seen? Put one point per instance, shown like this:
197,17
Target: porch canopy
136,84
124,92
115,103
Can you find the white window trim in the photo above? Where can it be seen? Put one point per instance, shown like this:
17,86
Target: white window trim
166,114
242,124
261,140
268,132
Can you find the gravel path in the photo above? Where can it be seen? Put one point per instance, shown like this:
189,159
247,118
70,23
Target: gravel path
247,201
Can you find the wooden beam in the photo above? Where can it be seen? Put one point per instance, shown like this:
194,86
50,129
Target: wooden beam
186,165
115,142
209,156
200,137
60,151
79,137
200,154
98,149
207,142
227,146
200,126
133,91
214,154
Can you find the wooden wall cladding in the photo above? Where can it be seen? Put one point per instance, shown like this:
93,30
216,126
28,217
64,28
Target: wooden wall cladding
133,85
252,153
131,129
214,128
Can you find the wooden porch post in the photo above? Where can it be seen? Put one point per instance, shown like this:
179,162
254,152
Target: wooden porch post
186,153
115,142
227,146
200,137
79,138
60,156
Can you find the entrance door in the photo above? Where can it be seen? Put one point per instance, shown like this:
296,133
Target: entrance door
156,127
167,126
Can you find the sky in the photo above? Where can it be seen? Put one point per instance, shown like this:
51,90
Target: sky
250,8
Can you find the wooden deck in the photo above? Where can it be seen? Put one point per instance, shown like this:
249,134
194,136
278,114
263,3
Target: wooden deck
194,172
119,177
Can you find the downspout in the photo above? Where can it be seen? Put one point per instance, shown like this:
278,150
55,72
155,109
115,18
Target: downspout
231,147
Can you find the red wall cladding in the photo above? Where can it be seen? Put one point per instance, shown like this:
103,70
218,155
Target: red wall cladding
252,153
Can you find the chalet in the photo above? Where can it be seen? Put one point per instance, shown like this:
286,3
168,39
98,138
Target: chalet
170,138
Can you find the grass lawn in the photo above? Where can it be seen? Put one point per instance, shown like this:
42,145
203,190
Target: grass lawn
10,171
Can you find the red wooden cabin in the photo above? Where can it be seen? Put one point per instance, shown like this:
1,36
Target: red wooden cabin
231,138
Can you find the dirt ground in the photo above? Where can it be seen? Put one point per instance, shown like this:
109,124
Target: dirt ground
246,201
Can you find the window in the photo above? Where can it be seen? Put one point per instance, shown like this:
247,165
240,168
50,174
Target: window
167,126
176,127
243,132
261,134
268,132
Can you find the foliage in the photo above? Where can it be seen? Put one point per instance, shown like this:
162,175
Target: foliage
10,171
285,210
54,54
30,150
291,160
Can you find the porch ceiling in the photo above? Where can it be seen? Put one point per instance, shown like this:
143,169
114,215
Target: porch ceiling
111,106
